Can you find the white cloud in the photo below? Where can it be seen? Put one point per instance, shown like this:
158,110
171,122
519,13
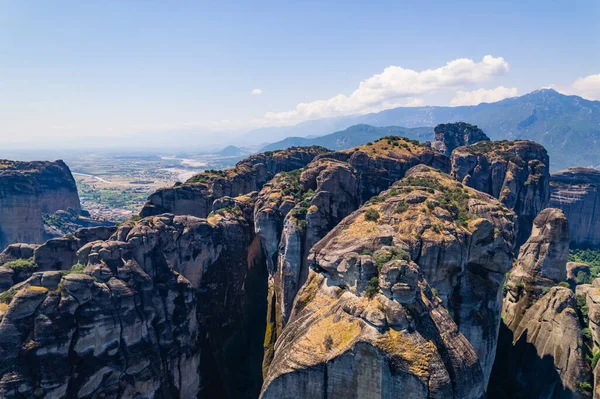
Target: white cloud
383,90
587,87
483,96
256,92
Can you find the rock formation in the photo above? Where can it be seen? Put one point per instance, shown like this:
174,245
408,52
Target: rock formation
28,190
158,311
449,136
578,273
576,191
515,172
461,240
296,210
196,196
541,351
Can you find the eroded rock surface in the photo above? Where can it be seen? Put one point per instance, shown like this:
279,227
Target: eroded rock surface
449,136
343,343
159,311
576,191
418,220
541,351
196,196
515,172
28,190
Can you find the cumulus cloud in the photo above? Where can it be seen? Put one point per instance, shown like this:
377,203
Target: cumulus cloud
256,92
483,96
587,87
393,87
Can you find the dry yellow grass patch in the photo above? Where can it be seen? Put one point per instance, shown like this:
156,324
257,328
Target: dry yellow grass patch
3,307
37,288
416,356
359,228
329,338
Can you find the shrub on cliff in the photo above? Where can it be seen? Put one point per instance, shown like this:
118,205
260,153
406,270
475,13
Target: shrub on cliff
21,265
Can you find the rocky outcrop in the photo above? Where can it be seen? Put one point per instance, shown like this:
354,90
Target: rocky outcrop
426,219
385,161
344,343
326,191
28,190
541,352
55,254
158,311
578,273
449,136
196,196
62,223
576,191
515,172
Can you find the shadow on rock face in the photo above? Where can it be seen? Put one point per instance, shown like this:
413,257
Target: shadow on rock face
520,373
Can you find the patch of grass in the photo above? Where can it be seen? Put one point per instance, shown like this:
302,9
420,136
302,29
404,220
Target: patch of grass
372,215
383,256
22,265
77,268
564,284
593,360
8,295
402,206
585,386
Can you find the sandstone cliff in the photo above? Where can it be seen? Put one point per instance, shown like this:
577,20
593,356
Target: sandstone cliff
426,219
576,191
515,172
196,196
541,352
28,190
449,136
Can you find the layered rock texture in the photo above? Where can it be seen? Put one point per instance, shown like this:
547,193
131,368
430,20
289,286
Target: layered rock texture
449,136
515,172
576,191
196,196
295,210
157,310
374,272
427,227
28,190
541,352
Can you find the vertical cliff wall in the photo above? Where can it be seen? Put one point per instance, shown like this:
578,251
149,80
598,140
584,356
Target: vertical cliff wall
576,191
28,189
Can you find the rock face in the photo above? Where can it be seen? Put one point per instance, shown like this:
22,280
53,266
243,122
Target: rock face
576,272
576,191
426,219
515,172
296,210
55,254
29,189
196,196
159,311
541,351
343,344
449,136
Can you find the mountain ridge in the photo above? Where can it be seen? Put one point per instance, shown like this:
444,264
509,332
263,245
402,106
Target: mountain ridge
568,126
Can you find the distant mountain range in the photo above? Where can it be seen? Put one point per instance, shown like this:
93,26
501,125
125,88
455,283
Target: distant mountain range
568,126
353,137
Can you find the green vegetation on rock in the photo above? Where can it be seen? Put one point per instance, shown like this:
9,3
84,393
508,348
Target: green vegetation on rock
21,265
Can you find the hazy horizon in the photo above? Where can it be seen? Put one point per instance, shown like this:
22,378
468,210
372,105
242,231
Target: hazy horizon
81,73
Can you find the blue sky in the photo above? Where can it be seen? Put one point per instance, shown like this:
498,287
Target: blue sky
77,69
